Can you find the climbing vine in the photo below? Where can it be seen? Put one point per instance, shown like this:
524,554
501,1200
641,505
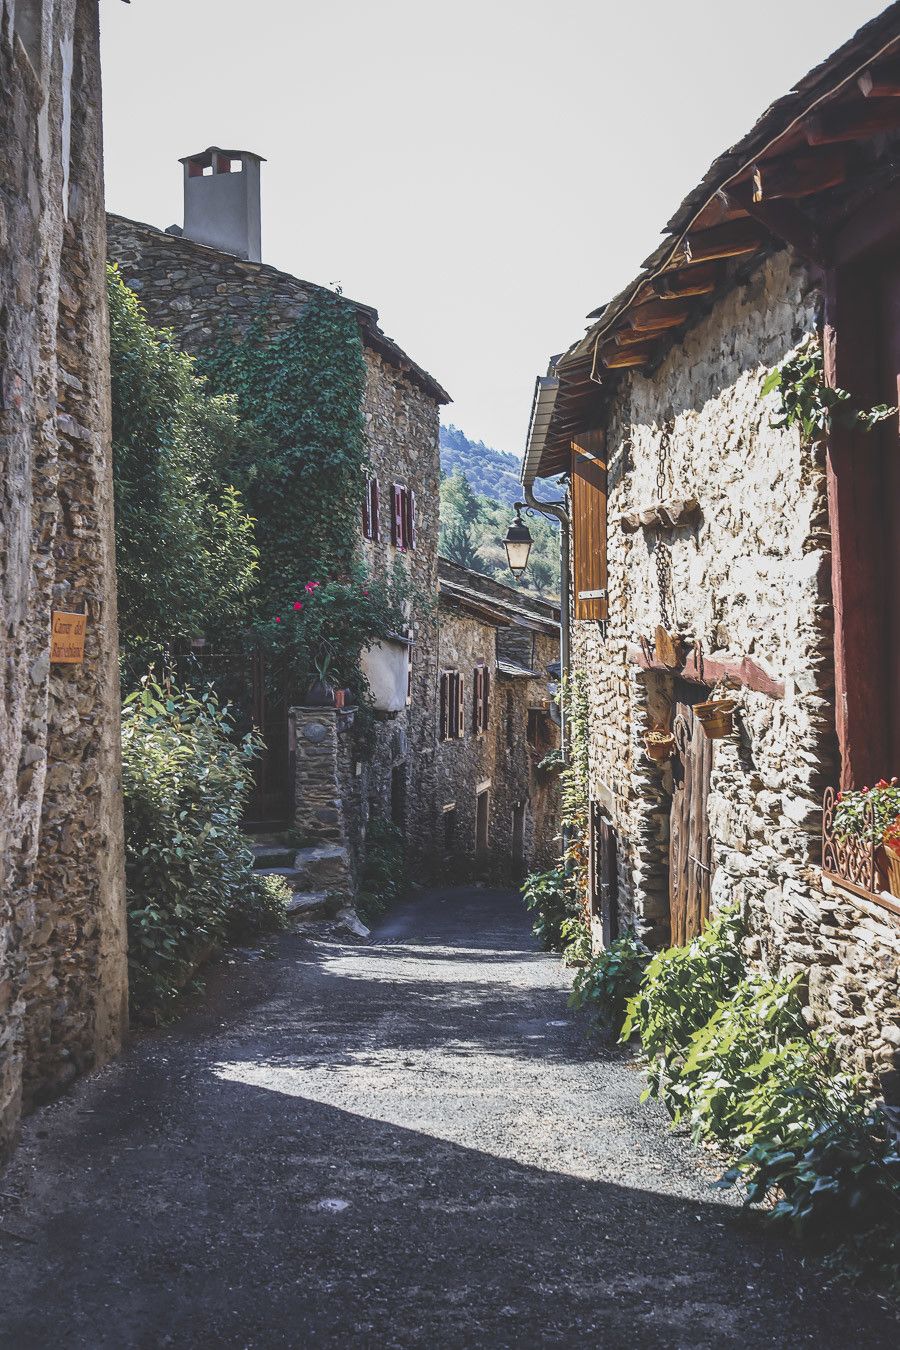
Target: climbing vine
300,385
809,403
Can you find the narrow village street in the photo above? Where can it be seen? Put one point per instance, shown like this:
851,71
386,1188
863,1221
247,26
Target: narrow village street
396,1143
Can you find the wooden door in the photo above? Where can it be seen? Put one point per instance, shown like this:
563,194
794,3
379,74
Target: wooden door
603,874
690,849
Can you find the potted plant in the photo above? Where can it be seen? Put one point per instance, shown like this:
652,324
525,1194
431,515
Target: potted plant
890,855
874,814
659,743
716,715
320,693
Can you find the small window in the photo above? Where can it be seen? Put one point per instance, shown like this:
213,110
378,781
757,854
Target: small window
480,699
403,517
371,513
451,706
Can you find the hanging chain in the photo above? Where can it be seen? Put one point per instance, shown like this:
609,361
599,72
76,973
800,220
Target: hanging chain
662,553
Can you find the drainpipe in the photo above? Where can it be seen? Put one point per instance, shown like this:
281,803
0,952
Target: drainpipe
558,508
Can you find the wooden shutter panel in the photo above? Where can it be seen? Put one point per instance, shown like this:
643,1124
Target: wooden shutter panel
460,724
589,526
442,728
476,699
367,510
411,518
375,510
485,697
395,499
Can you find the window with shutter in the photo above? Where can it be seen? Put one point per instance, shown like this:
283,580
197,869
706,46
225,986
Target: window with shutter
476,699
460,708
444,696
410,519
398,515
375,510
588,485
485,698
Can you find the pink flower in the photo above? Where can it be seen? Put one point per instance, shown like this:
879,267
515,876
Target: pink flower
298,604
365,592
311,586
278,618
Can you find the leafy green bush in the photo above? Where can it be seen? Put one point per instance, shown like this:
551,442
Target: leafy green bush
838,1186
681,990
575,935
186,558
745,1073
384,879
544,894
260,908
187,864
609,980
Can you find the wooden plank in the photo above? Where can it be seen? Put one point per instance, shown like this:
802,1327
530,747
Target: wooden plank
626,357
588,486
707,670
726,241
678,284
852,122
657,315
795,176
880,81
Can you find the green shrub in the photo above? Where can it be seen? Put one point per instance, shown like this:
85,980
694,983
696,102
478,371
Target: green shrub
575,935
745,1073
609,981
260,908
384,879
544,894
187,864
681,990
838,1186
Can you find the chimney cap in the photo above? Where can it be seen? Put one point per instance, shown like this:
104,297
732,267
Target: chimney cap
206,156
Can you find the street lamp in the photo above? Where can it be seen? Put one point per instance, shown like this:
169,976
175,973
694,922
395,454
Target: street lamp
518,543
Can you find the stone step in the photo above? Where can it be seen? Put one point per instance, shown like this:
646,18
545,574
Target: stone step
308,905
323,865
272,855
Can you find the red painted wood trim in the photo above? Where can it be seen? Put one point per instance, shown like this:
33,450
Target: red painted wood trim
706,670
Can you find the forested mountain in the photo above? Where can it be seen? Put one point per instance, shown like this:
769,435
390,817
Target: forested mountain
491,473
478,487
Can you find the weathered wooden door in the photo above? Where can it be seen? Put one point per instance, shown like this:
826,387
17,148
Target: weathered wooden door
603,874
690,851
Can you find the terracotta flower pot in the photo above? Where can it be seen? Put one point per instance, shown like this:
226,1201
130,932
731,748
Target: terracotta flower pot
659,744
889,864
716,717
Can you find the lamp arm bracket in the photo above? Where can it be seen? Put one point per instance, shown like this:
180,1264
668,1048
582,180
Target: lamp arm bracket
556,508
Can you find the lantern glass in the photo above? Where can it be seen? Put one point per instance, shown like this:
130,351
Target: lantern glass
518,544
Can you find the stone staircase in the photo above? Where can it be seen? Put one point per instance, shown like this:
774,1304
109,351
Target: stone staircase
319,876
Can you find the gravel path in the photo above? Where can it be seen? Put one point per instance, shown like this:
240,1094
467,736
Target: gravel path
398,1143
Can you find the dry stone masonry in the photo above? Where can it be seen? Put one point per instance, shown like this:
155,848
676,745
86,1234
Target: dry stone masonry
62,913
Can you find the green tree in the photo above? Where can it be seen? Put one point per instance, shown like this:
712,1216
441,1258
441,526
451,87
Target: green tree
185,551
458,547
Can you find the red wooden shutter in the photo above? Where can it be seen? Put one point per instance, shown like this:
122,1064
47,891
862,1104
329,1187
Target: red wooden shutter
460,724
367,510
589,526
485,697
375,510
411,518
444,720
476,699
397,531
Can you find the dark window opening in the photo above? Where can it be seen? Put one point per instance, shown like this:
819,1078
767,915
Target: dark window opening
480,699
403,517
451,706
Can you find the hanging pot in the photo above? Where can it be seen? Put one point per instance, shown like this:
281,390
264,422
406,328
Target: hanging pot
888,864
659,745
320,694
716,717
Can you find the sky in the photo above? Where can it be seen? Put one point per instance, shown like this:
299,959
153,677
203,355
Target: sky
483,172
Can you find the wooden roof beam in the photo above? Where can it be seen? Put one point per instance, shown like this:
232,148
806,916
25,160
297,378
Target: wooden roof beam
853,123
656,316
725,241
678,285
626,357
785,221
794,176
880,81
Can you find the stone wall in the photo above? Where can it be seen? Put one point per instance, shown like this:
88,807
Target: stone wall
193,289
750,577
62,913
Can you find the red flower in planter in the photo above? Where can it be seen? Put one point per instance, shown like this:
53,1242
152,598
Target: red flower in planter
311,586
891,837
298,604
278,618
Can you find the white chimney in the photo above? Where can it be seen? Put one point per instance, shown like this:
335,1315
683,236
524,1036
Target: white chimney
221,201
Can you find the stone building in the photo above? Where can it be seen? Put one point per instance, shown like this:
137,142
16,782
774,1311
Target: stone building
62,909
714,547
196,280
497,811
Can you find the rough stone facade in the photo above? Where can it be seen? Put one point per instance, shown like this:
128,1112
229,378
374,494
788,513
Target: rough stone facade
193,289
516,638
749,578
63,977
